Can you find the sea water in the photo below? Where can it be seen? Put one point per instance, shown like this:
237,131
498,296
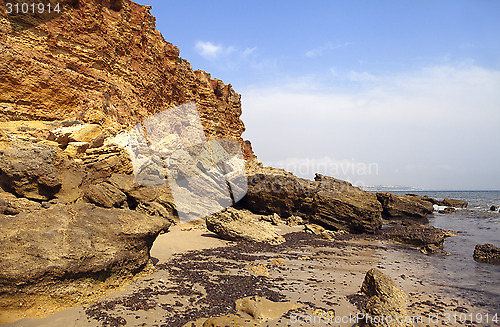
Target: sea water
474,225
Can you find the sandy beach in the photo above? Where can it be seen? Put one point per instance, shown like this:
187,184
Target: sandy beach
199,276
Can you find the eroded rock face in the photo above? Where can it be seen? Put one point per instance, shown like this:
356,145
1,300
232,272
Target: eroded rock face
12,205
339,204
88,133
487,253
28,170
43,250
326,200
404,205
384,299
105,195
241,225
105,64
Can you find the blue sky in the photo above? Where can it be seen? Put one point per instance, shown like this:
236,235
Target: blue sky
341,87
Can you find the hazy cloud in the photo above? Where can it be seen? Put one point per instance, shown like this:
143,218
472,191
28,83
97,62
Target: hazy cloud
439,116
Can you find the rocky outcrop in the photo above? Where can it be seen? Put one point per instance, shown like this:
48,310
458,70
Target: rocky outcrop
55,245
385,299
402,206
105,64
340,205
241,225
453,203
415,206
428,238
487,253
326,200
48,251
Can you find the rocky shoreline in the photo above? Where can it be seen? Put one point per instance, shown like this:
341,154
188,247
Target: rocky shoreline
94,231
322,276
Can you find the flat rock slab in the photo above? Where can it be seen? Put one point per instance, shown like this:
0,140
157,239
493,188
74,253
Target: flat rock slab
241,225
418,235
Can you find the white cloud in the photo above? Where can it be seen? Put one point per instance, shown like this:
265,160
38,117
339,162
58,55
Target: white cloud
324,48
229,57
438,116
208,50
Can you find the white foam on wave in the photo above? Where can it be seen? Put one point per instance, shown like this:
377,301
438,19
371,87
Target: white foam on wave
438,207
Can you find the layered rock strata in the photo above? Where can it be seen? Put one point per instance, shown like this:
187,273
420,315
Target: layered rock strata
326,200
404,205
103,62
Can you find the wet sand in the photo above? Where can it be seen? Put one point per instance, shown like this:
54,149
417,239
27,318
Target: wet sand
200,276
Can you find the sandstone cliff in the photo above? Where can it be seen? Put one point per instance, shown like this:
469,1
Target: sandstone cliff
74,207
103,62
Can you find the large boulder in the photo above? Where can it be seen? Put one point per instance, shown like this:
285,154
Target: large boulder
404,206
241,225
27,170
43,252
328,201
487,253
385,299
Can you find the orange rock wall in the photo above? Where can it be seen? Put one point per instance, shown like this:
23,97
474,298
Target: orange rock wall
104,62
